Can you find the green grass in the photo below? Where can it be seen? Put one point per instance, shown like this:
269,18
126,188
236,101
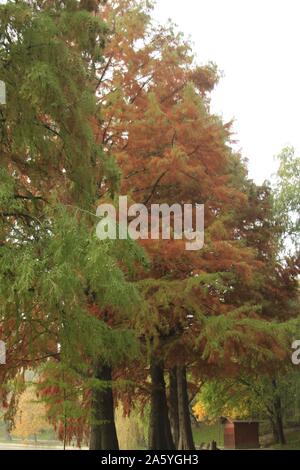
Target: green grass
293,443
204,433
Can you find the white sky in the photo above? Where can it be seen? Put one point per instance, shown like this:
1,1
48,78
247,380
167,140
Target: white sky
256,44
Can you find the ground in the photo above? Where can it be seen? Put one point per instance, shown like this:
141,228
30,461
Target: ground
293,439
206,434
203,434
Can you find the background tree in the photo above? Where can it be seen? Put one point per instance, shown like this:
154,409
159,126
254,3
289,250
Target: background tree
287,195
31,416
251,397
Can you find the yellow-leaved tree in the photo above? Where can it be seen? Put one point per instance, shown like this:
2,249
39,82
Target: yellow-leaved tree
31,416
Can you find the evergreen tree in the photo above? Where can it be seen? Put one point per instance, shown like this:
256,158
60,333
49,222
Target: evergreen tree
171,148
53,268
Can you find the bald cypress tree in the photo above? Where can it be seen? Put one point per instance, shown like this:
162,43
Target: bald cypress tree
53,268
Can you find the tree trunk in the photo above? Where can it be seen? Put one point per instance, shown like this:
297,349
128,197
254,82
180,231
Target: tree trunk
279,424
7,431
278,415
186,441
274,431
173,406
160,436
103,429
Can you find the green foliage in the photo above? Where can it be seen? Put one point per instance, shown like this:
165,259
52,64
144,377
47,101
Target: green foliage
287,193
68,296
250,397
47,62
63,293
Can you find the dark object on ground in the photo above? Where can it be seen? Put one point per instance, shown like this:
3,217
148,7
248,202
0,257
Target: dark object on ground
213,446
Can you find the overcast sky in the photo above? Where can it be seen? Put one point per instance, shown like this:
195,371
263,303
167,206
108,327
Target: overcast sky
256,44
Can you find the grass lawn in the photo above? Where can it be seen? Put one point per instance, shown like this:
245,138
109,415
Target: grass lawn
204,433
293,443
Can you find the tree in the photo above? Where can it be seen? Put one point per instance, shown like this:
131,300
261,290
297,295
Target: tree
53,268
170,148
287,194
31,416
129,89
251,397
260,386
